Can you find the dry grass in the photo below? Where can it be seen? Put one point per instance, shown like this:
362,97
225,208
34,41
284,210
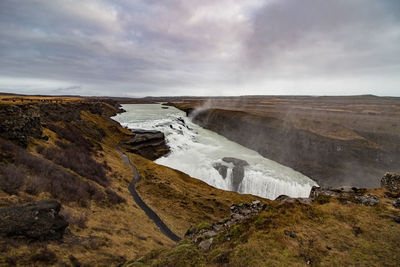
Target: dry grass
23,99
106,235
331,234
180,200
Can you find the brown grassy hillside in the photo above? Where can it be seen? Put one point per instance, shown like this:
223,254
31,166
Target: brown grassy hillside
332,231
65,150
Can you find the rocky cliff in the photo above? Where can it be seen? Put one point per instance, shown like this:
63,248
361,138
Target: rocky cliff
329,161
149,144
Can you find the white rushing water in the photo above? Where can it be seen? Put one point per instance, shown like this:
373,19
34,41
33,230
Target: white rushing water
195,150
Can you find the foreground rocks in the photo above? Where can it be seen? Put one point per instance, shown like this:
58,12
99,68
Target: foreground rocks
368,200
17,124
391,182
148,144
352,194
34,221
239,213
286,199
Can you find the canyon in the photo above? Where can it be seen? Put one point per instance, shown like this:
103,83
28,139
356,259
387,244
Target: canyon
58,156
336,141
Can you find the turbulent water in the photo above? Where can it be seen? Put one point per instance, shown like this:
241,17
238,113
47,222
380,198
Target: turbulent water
195,151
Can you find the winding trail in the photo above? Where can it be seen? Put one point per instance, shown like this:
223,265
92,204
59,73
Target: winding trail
149,212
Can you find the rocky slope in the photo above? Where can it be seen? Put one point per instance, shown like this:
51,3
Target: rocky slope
71,157
333,227
33,221
149,144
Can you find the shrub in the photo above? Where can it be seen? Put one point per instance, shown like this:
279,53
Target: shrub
44,256
74,261
113,197
12,177
72,134
95,192
323,199
78,160
45,176
78,220
202,226
35,184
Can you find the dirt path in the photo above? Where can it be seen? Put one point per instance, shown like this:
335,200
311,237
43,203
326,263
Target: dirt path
149,212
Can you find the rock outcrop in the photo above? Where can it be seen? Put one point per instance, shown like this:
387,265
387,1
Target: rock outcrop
391,182
286,199
239,213
148,144
222,169
237,171
18,124
336,192
368,200
352,194
34,221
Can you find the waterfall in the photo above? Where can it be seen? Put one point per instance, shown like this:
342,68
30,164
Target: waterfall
196,151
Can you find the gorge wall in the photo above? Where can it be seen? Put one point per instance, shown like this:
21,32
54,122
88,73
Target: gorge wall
327,160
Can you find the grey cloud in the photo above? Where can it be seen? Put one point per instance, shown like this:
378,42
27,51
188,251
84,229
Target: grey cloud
318,36
171,47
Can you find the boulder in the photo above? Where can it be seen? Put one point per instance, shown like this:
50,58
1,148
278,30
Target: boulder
206,244
391,182
35,221
286,199
292,234
148,144
18,124
367,200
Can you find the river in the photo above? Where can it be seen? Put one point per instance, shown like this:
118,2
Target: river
195,151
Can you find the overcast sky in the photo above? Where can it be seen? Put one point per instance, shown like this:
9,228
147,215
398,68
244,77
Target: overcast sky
200,47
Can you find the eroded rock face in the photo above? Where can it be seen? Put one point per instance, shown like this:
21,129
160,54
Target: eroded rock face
391,182
352,194
206,244
222,169
286,199
368,200
17,124
148,144
237,171
239,213
35,221
336,192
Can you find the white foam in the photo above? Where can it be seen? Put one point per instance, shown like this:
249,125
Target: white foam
194,150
